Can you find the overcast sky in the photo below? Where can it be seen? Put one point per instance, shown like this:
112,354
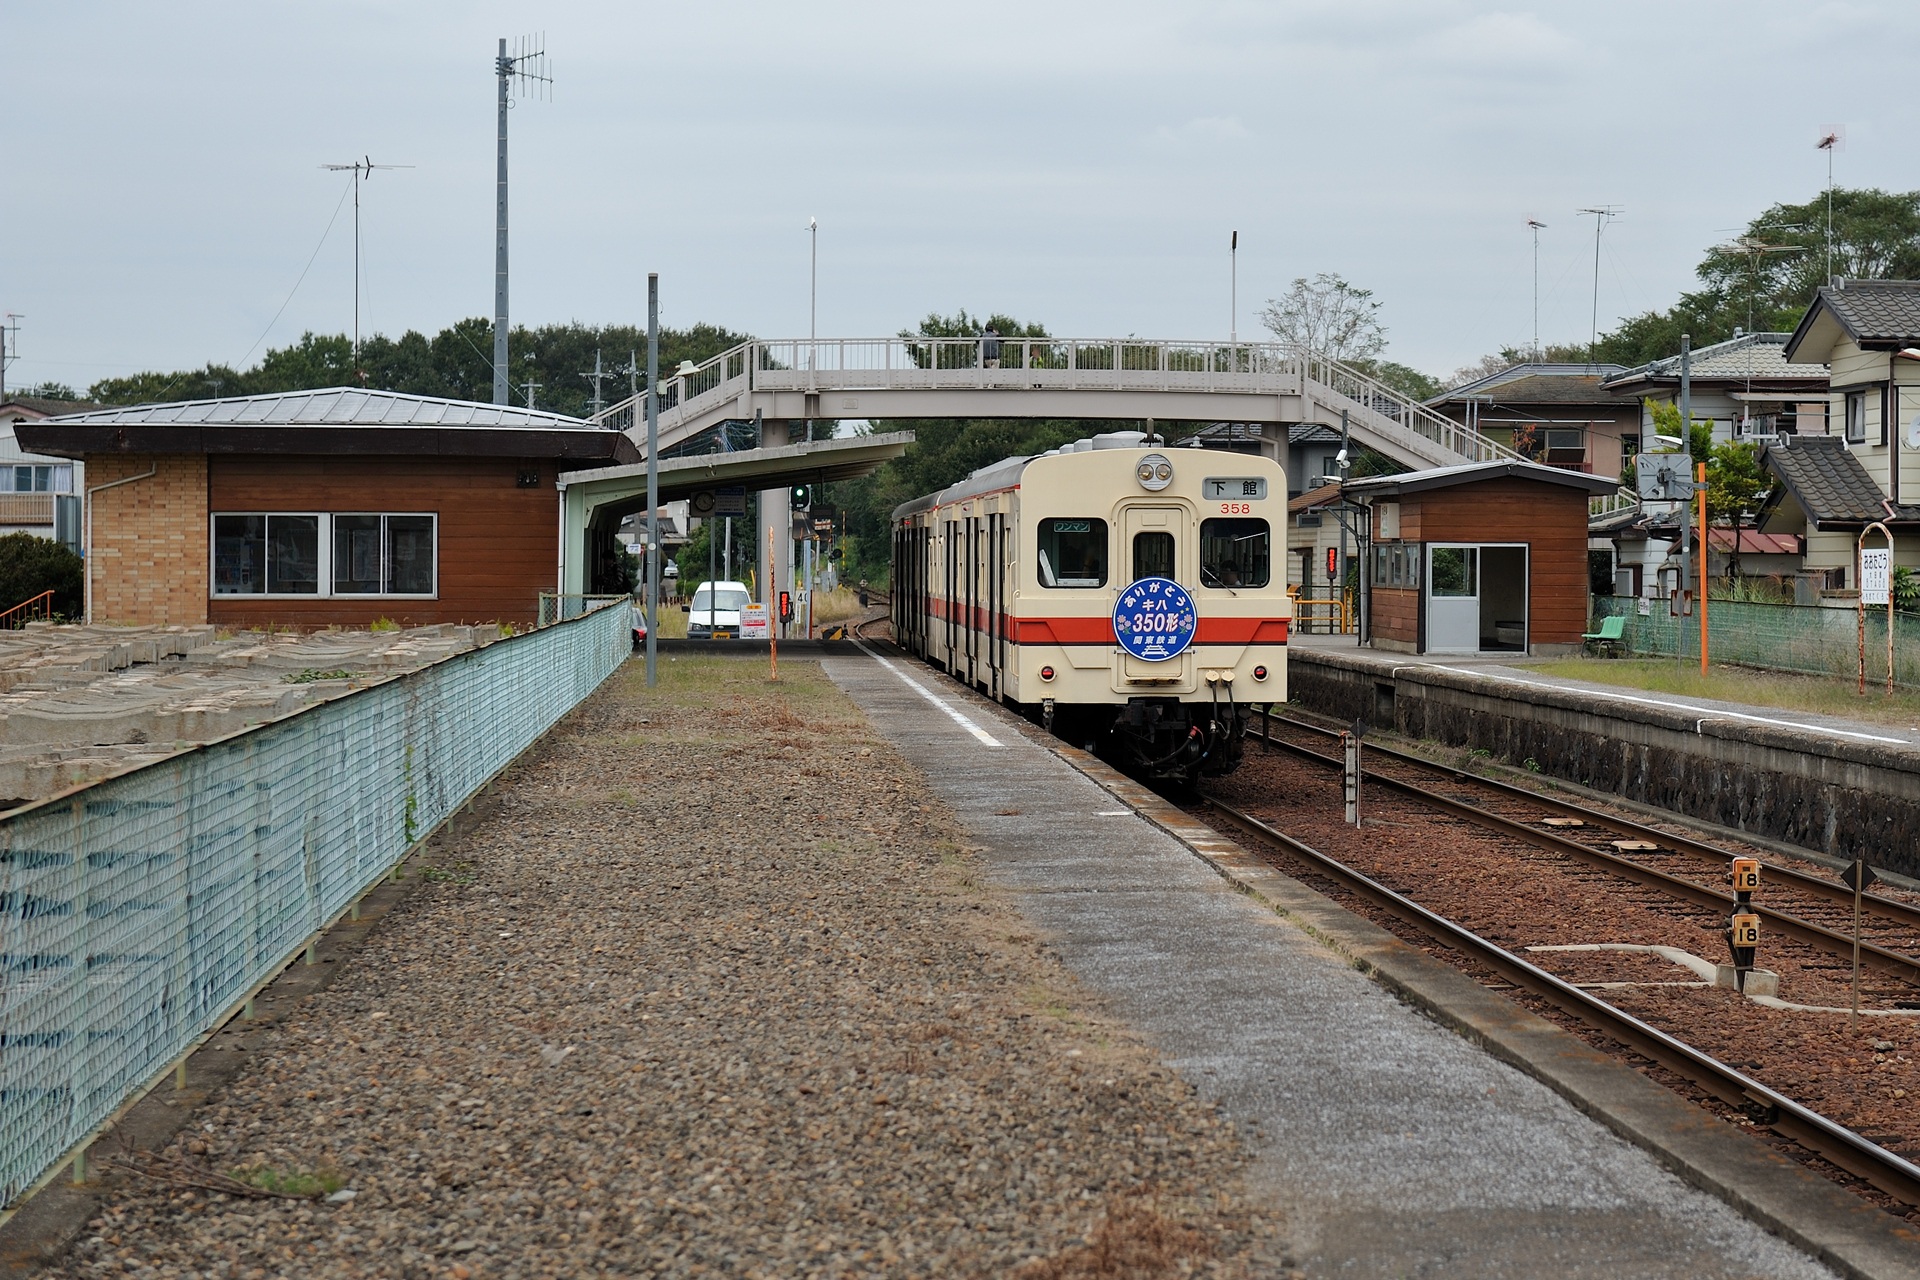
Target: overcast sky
1082,165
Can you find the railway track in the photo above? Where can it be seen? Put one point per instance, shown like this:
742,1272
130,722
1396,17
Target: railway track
1826,1138
1821,919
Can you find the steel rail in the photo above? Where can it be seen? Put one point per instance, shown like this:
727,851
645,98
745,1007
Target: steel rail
1793,926
1903,912
1831,1141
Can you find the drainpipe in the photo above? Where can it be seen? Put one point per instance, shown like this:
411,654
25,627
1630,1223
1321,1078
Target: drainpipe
87,550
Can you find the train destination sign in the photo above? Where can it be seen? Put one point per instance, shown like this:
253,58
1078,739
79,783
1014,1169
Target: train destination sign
1233,488
1154,619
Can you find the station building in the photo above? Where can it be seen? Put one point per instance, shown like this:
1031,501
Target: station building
309,509
1489,557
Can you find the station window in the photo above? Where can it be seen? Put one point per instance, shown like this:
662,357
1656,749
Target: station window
1396,564
1152,555
317,554
1073,552
1236,553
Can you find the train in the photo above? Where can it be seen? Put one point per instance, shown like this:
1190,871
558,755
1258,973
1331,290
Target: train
1123,594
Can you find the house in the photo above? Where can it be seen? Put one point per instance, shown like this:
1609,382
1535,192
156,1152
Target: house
1313,530
1486,557
322,508
1557,414
32,485
1747,387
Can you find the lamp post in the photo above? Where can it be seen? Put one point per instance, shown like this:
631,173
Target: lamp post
653,471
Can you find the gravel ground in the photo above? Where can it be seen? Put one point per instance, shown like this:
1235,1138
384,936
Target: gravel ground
711,989
1517,895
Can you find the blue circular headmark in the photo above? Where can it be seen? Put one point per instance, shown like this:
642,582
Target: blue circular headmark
1154,619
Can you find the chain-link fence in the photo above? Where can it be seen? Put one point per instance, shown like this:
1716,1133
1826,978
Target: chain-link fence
138,913
1784,637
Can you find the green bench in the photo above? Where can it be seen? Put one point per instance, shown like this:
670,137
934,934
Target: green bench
1608,639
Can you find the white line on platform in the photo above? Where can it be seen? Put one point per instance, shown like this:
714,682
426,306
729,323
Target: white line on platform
934,698
1707,713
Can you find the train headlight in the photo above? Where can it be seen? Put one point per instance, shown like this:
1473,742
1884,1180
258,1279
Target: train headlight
1259,673
1155,472
1046,673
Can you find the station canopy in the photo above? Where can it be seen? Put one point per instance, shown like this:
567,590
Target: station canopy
773,467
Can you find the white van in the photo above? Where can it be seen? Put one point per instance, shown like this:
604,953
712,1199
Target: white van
714,611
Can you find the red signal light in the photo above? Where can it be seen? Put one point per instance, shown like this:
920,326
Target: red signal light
1333,562
1259,673
1046,673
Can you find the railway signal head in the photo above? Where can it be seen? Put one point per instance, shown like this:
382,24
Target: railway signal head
801,497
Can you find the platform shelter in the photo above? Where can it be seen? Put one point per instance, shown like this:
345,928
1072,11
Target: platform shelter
1485,558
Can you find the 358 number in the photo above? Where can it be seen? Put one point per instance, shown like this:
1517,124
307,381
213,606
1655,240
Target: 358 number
1236,508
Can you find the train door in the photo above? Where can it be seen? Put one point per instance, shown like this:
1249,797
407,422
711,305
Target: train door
1153,547
973,598
949,556
996,600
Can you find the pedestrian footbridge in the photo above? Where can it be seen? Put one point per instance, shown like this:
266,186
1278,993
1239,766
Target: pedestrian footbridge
1128,379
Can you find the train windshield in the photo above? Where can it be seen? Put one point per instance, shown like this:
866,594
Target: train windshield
1073,553
1235,553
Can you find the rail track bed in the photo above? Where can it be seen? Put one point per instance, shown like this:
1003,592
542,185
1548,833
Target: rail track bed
1480,855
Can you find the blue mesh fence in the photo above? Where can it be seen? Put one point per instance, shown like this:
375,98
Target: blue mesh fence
138,913
1782,637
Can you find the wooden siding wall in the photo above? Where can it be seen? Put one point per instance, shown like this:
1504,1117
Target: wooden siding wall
498,543
1396,614
1550,519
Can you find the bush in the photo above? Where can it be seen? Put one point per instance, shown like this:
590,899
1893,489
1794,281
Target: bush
30,565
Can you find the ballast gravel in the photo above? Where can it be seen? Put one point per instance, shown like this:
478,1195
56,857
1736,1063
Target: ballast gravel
712,988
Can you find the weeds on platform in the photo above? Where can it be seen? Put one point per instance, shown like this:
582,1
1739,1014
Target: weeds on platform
1785,691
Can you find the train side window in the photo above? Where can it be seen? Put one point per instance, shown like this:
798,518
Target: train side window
1073,553
1152,555
1236,553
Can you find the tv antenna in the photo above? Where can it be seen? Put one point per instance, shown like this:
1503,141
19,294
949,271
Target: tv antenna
1602,214
1832,138
9,351
1536,226
364,166
527,73
1755,250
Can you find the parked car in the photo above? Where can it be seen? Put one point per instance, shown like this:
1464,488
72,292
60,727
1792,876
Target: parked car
639,627
714,611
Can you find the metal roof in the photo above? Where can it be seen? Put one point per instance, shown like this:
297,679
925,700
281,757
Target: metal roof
330,407
1760,356
1474,472
1487,382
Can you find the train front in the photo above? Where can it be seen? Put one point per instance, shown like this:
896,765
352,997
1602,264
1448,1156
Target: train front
1153,614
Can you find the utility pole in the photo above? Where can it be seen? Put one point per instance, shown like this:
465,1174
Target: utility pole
1537,226
358,167
595,377
1600,217
9,324
527,67
528,388
1233,274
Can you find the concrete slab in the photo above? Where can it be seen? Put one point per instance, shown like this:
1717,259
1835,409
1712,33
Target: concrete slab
1390,1146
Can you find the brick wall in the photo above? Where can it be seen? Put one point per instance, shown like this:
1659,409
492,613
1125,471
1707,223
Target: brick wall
147,555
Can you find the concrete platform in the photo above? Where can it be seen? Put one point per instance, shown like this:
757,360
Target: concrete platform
1390,1145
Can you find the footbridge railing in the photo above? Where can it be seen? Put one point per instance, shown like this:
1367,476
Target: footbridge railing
139,913
711,392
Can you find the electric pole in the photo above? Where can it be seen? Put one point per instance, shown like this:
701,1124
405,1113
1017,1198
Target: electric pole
527,68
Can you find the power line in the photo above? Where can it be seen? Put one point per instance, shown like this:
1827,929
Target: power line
344,193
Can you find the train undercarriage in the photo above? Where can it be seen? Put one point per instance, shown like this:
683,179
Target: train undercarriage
1156,739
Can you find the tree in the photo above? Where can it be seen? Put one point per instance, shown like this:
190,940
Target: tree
1408,381
1737,485
30,565
1328,316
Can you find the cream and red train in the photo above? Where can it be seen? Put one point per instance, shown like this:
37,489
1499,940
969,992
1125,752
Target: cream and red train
1121,594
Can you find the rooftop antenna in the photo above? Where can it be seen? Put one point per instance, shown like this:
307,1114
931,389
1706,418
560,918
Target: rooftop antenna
527,71
1833,138
1233,273
1536,226
1755,249
363,166
1602,214
9,352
